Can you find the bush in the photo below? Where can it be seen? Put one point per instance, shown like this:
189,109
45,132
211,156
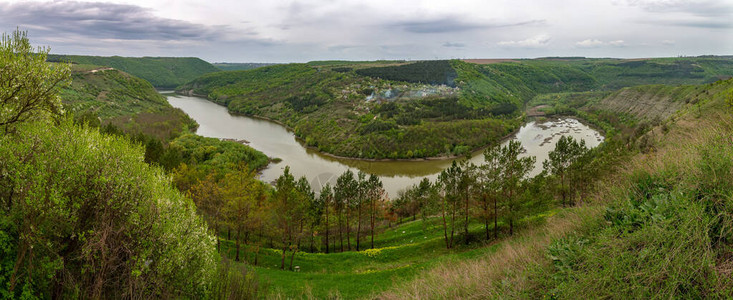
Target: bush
83,216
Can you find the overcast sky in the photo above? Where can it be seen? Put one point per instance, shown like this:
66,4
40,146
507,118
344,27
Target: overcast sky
299,31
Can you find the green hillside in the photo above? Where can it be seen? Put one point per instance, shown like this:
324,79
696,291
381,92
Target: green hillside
161,72
239,66
126,101
397,109
328,108
657,225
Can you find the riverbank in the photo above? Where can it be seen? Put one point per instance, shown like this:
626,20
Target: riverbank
276,140
473,152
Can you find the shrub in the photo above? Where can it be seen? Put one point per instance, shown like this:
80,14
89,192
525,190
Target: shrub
83,216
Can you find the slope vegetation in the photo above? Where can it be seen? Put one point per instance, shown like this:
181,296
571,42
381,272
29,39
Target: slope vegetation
161,72
656,227
124,100
394,109
651,102
346,114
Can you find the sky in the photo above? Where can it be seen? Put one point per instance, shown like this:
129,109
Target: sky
280,31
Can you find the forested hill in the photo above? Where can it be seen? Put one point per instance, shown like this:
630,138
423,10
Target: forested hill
161,72
240,66
126,105
128,102
399,109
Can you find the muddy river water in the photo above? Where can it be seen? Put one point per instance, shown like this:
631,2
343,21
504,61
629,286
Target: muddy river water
538,138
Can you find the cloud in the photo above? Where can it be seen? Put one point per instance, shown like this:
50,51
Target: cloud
710,24
454,45
700,8
453,24
668,42
107,21
533,42
617,43
705,14
594,43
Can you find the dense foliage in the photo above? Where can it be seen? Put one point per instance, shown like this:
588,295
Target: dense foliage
161,72
215,154
327,110
28,85
239,66
430,72
84,216
334,107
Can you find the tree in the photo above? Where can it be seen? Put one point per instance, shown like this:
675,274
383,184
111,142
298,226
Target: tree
206,194
241,191
425,196
345,191
490,184
284,210
467,185
450,179
514,169
326,199
362,190
304,198
566,153
28,84
375,194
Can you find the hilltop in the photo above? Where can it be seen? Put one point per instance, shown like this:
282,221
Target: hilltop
161,72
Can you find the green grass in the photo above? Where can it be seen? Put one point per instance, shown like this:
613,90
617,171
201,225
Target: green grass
659,226
400,253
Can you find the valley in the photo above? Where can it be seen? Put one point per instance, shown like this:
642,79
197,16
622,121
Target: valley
555,177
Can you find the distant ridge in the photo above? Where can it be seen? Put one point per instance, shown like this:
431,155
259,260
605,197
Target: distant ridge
240,66
161,72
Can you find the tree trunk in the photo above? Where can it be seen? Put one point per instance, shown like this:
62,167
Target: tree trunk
327,228
341,236
562,187
313,236
282,259
257,253
452,224
465,226
292,258
237,242
358,226
511,226
445,226
372,219
496,217
348,232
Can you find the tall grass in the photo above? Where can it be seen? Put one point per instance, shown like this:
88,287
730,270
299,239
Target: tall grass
660,227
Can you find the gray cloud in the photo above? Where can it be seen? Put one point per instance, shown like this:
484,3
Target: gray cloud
713,24
696,13
105,21
452,24
701,8
454,45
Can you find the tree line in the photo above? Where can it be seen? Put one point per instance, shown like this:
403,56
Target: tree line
499,190
288,216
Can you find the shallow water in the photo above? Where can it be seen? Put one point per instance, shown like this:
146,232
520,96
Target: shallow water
276,141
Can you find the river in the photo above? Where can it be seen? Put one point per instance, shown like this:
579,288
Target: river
276,141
